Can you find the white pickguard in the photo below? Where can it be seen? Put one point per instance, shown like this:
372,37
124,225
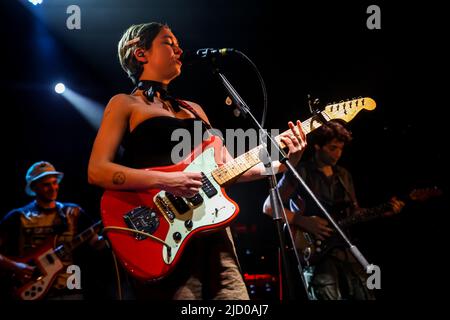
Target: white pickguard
34,290
212,211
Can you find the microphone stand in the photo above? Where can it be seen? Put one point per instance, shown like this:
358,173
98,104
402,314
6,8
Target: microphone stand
285,245
275,198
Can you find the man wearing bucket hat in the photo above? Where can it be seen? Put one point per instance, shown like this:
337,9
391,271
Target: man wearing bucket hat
38,171
25,229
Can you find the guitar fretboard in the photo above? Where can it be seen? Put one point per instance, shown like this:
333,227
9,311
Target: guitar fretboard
244,162
366,215
78,240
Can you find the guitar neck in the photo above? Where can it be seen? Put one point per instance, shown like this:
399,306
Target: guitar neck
367,214
419,195
345,111
235,168
78,240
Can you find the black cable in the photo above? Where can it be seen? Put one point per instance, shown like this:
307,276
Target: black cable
263,86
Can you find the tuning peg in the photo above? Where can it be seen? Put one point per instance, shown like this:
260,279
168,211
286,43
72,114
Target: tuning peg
313,104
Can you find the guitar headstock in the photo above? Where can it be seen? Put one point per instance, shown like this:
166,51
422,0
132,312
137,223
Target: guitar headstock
347,110
425,194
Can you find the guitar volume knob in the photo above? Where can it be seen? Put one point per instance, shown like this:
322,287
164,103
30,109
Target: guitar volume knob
188,224
177,236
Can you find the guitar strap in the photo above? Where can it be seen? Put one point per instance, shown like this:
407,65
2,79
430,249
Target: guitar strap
347,190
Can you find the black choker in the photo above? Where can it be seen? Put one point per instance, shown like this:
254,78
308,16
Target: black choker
150,88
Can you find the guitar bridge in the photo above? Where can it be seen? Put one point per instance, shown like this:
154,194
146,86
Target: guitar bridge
142,219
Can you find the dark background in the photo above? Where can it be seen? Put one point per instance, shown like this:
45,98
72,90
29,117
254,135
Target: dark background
323,49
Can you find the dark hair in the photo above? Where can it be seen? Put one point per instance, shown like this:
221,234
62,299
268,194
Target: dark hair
327,132
136,36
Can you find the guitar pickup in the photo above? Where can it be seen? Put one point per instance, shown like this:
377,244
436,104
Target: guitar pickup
178,203
208,187
195,200
142,219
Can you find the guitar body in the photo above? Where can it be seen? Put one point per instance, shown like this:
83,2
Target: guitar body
174,220
311,249
48,266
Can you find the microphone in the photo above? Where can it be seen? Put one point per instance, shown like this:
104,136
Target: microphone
204,55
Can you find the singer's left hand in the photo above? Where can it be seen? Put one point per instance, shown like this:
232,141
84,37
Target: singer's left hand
295,140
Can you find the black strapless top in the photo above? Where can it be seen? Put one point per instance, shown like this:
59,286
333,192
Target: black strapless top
150,143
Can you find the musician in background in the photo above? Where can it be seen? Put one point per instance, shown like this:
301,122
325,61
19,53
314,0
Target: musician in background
143,123
338,275
43,220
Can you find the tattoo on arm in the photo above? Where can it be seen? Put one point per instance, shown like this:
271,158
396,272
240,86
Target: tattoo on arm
119,178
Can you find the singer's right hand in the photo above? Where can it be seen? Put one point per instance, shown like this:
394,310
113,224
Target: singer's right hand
184,184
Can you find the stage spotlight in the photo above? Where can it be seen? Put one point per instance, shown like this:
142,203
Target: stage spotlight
35,2
60,88
90,109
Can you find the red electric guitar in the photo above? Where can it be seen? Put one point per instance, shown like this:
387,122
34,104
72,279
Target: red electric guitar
149,230
48,265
